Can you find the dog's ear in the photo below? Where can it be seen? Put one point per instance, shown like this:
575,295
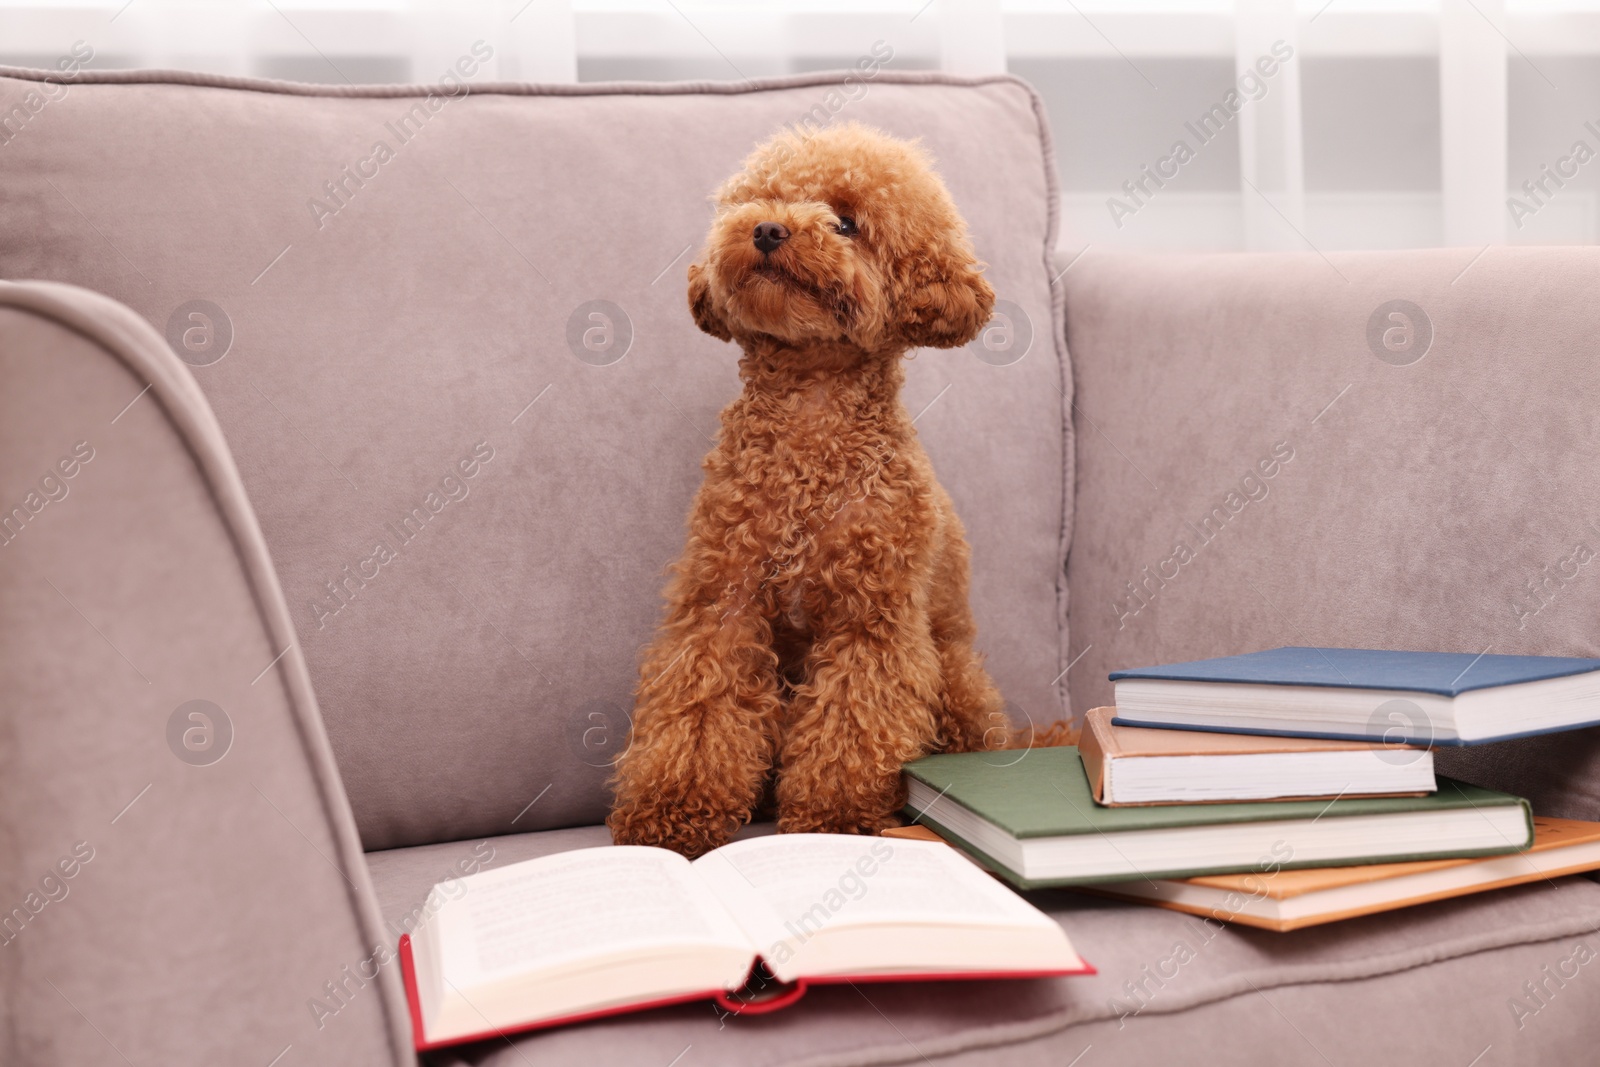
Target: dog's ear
944,300
700,305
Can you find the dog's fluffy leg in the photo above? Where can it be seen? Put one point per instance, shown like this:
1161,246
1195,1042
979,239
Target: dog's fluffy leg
702,731
869,706
972,715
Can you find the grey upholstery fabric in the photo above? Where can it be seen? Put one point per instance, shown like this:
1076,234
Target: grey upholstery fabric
392,331
1428,985
1439,496
173,890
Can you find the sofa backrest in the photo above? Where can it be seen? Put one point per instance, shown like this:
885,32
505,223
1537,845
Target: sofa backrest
444,330
1375,450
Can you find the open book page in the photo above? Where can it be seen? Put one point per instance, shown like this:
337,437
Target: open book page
827,904
559,918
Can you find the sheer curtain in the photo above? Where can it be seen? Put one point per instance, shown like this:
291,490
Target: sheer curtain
1258,124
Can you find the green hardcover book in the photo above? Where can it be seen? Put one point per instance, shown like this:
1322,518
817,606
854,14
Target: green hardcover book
1031,817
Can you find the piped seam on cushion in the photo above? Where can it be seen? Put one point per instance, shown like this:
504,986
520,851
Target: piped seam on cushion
610,88
1058,336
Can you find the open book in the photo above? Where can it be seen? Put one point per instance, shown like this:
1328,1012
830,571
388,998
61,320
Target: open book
604,930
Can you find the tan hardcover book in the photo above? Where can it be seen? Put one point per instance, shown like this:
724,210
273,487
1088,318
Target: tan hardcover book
1131,766
1291,900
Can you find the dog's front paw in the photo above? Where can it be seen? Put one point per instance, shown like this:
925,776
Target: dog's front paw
837,822
829,806
685,825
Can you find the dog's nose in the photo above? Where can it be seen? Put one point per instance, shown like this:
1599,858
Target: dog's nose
769,235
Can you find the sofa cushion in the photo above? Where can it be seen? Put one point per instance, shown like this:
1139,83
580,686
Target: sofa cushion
1430,984
469,493
1379,450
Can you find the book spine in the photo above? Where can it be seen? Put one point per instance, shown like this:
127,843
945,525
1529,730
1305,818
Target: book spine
1092,750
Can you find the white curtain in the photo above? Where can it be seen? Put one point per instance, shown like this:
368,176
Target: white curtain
1230,124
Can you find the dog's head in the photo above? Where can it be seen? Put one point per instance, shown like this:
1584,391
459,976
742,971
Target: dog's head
839,235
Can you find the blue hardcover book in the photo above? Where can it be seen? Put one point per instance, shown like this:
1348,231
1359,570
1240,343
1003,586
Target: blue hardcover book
1417,698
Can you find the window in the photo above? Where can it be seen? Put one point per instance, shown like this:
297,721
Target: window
1331,124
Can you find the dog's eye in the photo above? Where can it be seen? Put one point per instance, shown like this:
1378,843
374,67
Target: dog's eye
847,226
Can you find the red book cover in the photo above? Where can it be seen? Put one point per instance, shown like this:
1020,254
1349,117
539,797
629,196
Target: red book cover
786,996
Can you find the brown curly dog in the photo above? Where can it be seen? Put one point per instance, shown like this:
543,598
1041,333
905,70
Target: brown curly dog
817,627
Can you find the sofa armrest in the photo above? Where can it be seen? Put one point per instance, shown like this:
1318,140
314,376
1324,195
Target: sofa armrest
182,879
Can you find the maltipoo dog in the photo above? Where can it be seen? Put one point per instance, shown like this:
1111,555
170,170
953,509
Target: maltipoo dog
817,633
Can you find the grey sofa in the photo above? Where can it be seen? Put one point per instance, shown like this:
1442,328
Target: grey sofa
332,519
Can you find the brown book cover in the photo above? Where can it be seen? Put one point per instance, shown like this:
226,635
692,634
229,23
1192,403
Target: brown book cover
1548,833
1293,899
1103,741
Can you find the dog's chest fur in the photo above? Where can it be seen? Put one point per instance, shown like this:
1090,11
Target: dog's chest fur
811,467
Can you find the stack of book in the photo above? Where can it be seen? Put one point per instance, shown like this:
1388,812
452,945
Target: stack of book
1277,789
